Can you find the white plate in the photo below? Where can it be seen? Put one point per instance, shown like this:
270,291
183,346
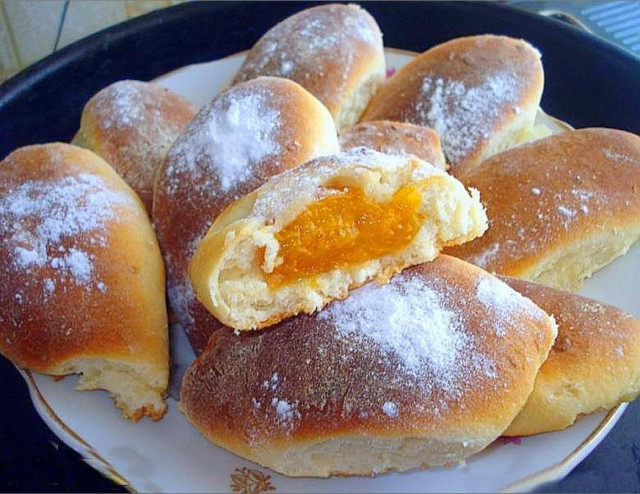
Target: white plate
171,456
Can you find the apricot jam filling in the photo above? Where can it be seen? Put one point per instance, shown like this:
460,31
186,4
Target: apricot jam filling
345,229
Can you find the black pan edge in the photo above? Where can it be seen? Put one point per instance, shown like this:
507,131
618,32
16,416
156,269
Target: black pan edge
589,81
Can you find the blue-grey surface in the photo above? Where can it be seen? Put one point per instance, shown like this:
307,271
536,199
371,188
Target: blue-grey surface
614,466
618,22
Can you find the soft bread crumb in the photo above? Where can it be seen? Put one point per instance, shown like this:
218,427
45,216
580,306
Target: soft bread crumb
451,220
137,390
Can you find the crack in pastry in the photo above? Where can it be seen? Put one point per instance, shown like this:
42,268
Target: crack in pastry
310,234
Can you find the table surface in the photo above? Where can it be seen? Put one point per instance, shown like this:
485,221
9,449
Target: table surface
33,459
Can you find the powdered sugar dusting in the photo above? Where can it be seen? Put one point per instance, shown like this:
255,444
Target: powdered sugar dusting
138,122
122,105
236,149
76,262
271,383
558,196
615,156
26,257
180,294
298,47
226,140
390,409
484,258
42,219
566,211
406,318
503,302
228,149
285,410
463,116
410,352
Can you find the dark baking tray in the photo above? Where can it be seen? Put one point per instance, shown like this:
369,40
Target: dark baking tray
589,82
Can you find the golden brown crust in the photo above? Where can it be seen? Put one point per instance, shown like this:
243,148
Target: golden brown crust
469,90
265,126
83,278
314,378
395,138
594,363
334,51
132,125
552,195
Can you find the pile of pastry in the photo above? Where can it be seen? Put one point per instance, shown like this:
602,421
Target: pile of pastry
370,271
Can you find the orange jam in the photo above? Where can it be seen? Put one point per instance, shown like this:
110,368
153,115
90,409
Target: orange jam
345,229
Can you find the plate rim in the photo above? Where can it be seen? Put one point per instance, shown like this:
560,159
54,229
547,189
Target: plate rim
64,432
561,469
74,440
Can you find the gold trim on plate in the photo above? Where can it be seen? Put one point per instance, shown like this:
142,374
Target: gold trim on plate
101,465
561,469
250,481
